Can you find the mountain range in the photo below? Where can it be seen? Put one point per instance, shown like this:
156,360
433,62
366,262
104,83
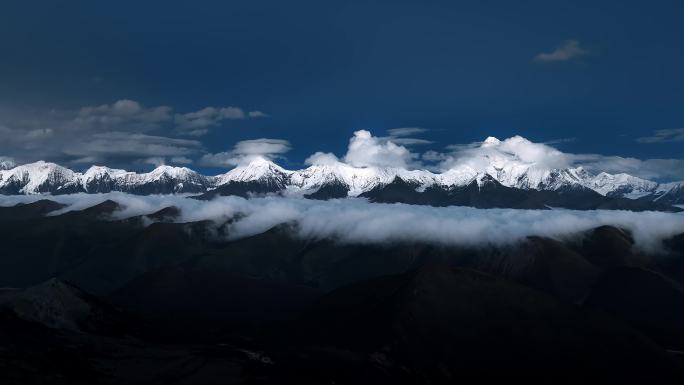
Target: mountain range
338,180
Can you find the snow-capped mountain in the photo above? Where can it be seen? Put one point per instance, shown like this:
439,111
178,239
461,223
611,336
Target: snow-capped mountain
258,170
163,180
263,176
524,177
628,186
510,168
38,177
621,185
356,179
513,174
668,193
44,177
101,179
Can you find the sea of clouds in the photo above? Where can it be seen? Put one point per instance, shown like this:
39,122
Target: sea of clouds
357,220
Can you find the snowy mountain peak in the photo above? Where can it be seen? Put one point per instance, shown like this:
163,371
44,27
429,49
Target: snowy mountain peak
357,179
35,177
259,169
44,177
171,172
624,185
491,141
96,172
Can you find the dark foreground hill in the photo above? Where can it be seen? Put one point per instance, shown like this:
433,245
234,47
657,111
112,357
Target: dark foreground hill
443,325
103,301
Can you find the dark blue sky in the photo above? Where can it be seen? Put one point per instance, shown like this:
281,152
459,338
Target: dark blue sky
322,69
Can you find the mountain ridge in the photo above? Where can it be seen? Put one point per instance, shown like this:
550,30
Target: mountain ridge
266,176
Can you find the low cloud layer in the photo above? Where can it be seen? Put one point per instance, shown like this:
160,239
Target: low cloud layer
358,221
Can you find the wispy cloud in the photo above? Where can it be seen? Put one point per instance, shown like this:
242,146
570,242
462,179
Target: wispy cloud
181,160
666,135
401,136
257,114
121,133
197,123
116,145
125,112
560,141
569,50
406,131
410,141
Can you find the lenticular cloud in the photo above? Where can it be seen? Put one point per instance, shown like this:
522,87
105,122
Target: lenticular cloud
358,221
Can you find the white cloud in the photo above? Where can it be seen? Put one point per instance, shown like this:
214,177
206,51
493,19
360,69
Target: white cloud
358,221
245,151
365,150
666,135
536,153
321,159
569,50
261,146
517,149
